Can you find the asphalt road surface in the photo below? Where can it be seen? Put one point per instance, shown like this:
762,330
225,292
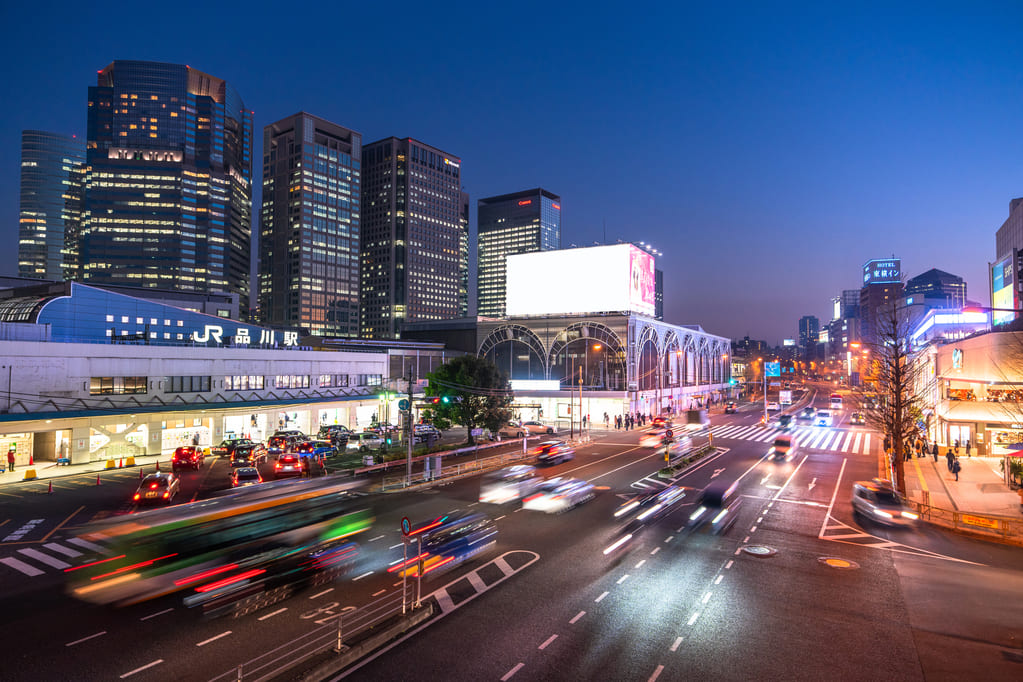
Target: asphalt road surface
891,604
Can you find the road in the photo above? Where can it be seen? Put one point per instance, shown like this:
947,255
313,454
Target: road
916,604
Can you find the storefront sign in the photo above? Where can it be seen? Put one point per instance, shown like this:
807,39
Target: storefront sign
215,333
980,521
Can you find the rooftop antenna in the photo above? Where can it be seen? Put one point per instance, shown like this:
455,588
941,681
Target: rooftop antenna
605,230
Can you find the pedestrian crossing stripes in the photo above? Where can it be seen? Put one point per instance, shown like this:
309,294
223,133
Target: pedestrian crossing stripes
850,442
34,562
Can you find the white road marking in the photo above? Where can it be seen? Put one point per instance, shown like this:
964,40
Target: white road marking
739,550
214,638
272,614
396,546
367,573
641,562
706,597
444,600
45,558
94,547
379,537
500,517
601,596
669,539
848,442
19,565
729,564
623,579
717,581
765,479
577,617
745,540
833,496
856,443
760,519
508,675
692,618
517,510
154,615
476,581
61,549
86,639
753,529
866,444
377,594
675,646
655,550
320,594
145,667
657,672
473,504
547,643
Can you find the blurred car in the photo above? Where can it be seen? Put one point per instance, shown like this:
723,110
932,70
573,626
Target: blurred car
244,476
877,500
425,432
654,438
187,457
660,421
382,428
772,406
160,487
249,455
807,413
730,407
365,441
323,448
289,464
857,418
783,449
553,452
822,418
226,447
784,421
512,430
556,495
290,432
717,508
449,541
281,443
509,484
646,508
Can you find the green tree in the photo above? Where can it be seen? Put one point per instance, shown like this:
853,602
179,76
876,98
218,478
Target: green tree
472,393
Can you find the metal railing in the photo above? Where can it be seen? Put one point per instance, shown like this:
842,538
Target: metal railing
1005,528
335,629
453,471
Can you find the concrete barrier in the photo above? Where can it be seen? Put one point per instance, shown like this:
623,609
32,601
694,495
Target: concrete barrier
129,461
30,474
111,464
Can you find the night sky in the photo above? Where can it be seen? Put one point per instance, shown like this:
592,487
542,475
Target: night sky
767,149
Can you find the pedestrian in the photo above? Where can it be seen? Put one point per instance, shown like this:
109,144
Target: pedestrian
935,452
606,420
956,468
957,447
949,457
10,460
967,447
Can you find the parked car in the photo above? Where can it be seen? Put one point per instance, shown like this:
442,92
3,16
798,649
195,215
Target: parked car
335,433
531,428
365,441
244,476
281,443
423,432
382,428
158,488
315,449
553,452
559,494
877,500
249,455
226,447
289,464
730,407
187,457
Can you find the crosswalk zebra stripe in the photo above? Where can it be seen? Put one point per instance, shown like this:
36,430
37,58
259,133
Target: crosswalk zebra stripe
818,440
727,431
768,437
45,558
88,545
61,549
827,441
848,442
866,443
17,565
856,444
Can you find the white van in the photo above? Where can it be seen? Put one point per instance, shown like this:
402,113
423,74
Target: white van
823,418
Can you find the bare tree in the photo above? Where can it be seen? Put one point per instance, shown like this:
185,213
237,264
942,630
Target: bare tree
899,405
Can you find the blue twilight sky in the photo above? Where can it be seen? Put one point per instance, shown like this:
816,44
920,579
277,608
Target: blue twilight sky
767,149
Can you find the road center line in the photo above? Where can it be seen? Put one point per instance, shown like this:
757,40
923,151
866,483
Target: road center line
669,539
657,672
547,643
500,517
623,579
675,646
154,615
214,638
377,594
577,617
601,596
377,538
706,597
641,562
145,667
320,594
272,614
508,675
367,573
717,581
692,618
86,639
744,541
396,546
655,550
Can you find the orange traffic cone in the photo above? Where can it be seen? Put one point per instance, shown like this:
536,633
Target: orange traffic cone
157,466
97,479
120,463
31,460
51,488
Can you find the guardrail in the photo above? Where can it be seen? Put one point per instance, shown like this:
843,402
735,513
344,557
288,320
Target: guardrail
452,472
1003,528
335,629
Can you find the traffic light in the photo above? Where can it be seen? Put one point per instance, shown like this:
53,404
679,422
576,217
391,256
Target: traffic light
445,399
435,401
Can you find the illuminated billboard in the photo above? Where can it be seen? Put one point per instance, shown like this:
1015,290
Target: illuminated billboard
887,271
597,279
1003,293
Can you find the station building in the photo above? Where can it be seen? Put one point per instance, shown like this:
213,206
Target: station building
93,374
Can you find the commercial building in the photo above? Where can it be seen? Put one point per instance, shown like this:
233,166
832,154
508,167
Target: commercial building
521,222
414,252
309,236
809,328
936,288
1007,270
168,195
52,169
882,286
94,375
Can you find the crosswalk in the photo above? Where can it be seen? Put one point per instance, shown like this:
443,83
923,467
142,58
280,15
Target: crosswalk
51,557
813,438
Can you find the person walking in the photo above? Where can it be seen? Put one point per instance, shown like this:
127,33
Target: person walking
949,457
935,452
956,468
967,447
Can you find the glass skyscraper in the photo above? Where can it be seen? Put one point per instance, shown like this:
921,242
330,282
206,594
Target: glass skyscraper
168,182
414,237
522,222
52,168
310,226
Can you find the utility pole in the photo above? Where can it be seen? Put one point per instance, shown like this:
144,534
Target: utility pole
580,401
411,430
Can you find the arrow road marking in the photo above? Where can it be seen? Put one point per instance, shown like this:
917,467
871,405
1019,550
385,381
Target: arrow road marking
812,483
717,472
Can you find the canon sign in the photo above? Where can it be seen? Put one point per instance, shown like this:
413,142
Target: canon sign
122,154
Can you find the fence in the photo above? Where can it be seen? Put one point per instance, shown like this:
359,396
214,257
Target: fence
335,629
1004,528
454,471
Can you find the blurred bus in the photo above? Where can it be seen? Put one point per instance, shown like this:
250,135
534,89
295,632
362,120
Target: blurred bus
228,542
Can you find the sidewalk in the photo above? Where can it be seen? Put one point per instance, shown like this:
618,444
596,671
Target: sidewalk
47,470
979,490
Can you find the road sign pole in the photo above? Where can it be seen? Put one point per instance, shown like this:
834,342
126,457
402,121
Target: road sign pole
404,572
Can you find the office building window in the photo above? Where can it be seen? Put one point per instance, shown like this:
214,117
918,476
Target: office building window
117,385
188,384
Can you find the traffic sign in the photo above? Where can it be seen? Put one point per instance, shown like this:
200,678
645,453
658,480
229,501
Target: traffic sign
403,404
406,526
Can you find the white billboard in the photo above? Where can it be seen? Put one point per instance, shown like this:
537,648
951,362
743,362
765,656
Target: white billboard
595,279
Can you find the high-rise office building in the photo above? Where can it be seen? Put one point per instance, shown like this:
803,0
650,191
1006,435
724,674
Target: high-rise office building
522,222
938,288
309,232
1006,271
463,258
809,329
414,236
52,167
882,286
168,189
